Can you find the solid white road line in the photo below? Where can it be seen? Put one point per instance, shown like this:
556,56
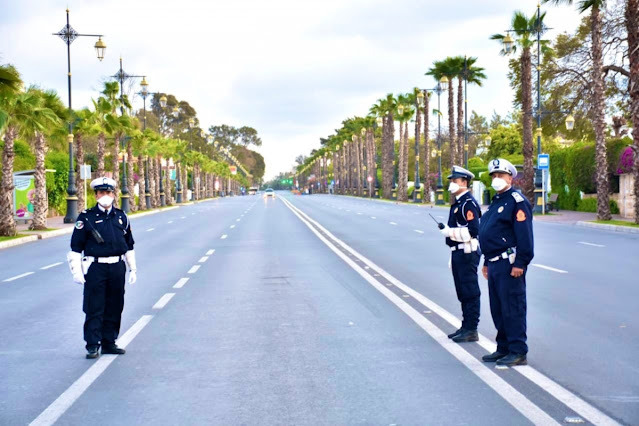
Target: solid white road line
51,266
591,244
150,229
210,252
549,268
66,400
557,391
223,237
392,223
163,301
203,259
180,283
487,375
418,231
26,274
194,269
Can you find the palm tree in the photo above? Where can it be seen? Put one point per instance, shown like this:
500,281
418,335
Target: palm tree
44,122
426,171
525,30
385,108
598,101
632,27
106,113
473,75
85,124
448,68
404,114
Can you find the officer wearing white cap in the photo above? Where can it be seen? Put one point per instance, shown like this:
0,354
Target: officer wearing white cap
101,247
506,238
461,236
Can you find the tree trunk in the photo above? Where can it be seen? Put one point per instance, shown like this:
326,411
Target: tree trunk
528,181
79,161
358,162
152,183
632,27
116,167
402,178
101,146
7,222
388,148
130,181
598,105
40,206
426,171
418,130
142,183
362,165
451,124
460,121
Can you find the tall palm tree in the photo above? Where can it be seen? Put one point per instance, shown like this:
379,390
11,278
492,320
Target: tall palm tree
43,123
407,112
426,170
598,101
525,30
385,108
632,27
85,124
448,68
473,75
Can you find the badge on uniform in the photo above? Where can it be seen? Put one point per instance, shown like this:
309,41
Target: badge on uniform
521,216
79,224
120,220
469,215
456,210
501,209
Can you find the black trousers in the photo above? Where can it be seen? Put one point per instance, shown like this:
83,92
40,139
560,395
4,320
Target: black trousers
508,307
103,302
464,266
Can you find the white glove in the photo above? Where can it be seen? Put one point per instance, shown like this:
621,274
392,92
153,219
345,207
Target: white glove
446,231
75,265
129,257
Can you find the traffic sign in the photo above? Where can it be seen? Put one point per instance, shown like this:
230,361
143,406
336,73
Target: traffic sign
543,161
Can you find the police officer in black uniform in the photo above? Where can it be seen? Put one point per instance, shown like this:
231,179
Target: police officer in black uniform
103,234
506,238
461,236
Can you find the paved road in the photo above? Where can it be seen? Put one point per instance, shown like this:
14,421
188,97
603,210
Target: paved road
316,310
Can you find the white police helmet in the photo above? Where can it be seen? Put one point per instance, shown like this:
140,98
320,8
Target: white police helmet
502,166
103,184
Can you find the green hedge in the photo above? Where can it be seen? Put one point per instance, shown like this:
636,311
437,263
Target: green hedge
590,205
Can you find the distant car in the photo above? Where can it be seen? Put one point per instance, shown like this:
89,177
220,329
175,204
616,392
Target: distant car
253,190
269,193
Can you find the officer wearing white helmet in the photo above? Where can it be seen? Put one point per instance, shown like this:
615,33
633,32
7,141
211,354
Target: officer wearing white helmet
461,236
506,238
101,249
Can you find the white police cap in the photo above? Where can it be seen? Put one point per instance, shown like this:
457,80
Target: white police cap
502,166
460,172
103,184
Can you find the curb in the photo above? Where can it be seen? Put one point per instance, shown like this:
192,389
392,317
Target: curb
610,228
67,230
400,203
18,241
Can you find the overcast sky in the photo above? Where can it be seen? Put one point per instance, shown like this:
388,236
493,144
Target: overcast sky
292,69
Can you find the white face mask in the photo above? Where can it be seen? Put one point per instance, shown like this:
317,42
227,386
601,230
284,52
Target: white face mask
499,184
453,188
105,201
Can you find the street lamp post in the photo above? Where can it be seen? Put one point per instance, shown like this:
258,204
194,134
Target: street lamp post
68,35
191,125
420,104
122,77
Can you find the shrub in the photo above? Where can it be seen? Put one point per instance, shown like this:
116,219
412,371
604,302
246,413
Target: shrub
590,205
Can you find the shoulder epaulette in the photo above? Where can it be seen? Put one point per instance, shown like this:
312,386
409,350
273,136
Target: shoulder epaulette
517,196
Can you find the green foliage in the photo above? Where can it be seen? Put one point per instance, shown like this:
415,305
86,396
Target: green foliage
590,205
505,141
57,182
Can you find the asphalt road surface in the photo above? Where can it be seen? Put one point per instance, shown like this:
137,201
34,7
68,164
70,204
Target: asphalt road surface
317,310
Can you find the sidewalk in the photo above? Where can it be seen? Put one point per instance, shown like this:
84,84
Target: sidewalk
585,219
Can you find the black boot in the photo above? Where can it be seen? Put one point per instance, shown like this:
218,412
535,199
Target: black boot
511,360
455,333
466,336
112,349
493,357
92,352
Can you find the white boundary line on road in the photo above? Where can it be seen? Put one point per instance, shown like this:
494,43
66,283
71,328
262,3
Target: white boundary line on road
161,303
569,399
26,274
51,266
511,395
58,407
549,268
181,283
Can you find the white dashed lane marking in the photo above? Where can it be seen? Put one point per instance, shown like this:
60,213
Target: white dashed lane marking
51,266
170,221
549,268
223,237
180,283
194,269
373,217
150,229
232,226
203,259
418,231
210,252
591,244
183,217
26,274
163,301
392,223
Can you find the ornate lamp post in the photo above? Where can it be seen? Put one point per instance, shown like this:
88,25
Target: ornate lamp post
68,35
